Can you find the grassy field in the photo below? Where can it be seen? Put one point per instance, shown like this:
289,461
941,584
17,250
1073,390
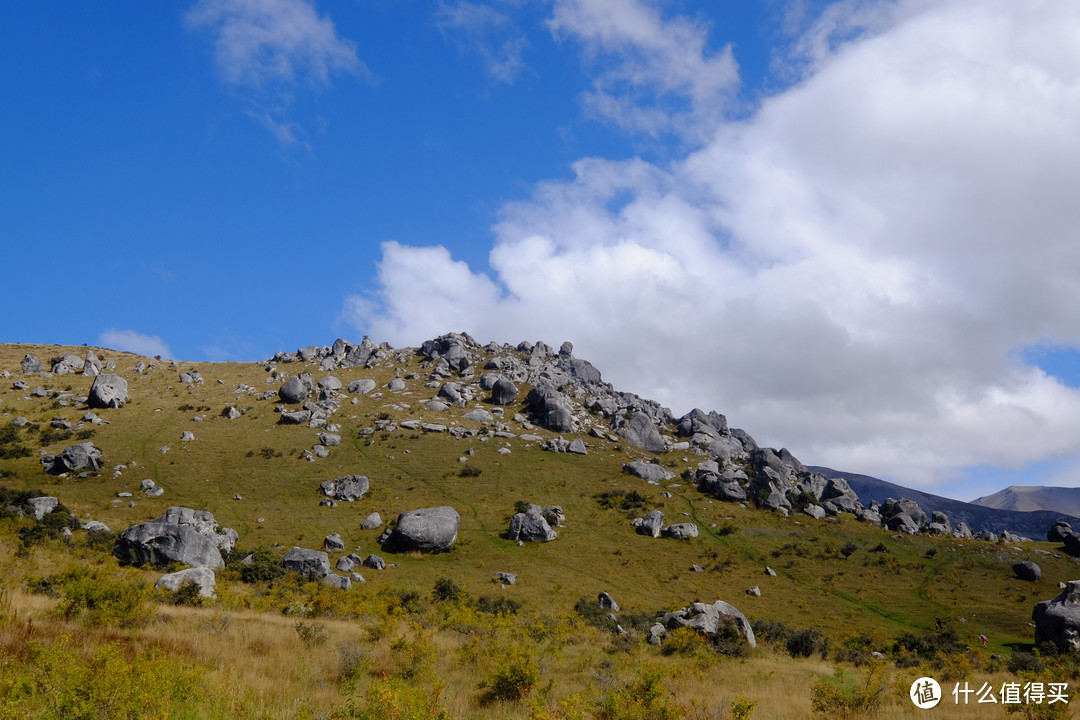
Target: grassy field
858,585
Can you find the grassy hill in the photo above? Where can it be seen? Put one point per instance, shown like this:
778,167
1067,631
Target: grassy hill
858,585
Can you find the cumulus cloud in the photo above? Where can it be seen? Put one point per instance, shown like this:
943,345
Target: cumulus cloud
261,41
486,31
851,272
655,74
135,342
268,48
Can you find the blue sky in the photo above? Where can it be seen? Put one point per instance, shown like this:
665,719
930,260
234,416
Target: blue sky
849,226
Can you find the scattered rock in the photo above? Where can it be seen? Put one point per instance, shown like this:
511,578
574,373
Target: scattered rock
680,531
371,522
505,578
42,506
426,529
1027,570
76,457
652,524
293,391
31,365
374,562
201,576
531,526
347,487
181,535
333,543
108,391
607,602
313,564
647,471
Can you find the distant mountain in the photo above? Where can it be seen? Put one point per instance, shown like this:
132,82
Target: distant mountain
1028,498
978,516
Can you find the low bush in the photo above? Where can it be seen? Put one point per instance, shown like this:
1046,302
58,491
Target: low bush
843,696
513,679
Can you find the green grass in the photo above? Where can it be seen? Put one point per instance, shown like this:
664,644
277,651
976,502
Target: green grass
879,594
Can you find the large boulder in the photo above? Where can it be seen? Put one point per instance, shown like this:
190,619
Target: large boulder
31,364
347,487
201,576
313,564
651,524
642,432
1058,620
647,471
108,391
1027,570
1058,531
293,391
550,408
76,457
426,529
531,526
504,392
711,619
181,535
67,364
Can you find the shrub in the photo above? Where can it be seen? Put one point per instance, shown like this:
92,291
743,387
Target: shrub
742,707
265,566
497,605
643,698
189,593
593,615
522,506
391,698
844,697
470,471
513,679
805,643
446,590
312,634
101,601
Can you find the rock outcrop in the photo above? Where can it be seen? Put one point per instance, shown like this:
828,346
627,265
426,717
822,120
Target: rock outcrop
426,530
72,459
181,535
1058,620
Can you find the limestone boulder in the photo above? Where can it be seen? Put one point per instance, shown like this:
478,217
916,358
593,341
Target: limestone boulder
1027,570
425,529
77,457
642,432
347,487
313,564
1058,620
293,391
531,526
201,576
181,535
711,619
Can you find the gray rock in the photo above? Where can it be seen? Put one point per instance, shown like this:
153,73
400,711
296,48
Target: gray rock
96,526
31,365
76,457
656,634
67,364
769,571
904,506
92,365
577,446
814,511
42,506
330,383
607,602
505,578
480,416
329,439
347,487
293,391
230,413
1058,620
333,543
900,522
755,591
709,619
346,563
374,562
371,522
680,531
651,524
1058,531
338,581
361,387
551,408
531,526
647,471
642,432
201,576
504,392
298,417
108,391
1027,570
313,564
187,436
396,384
181,535
554,515
426,529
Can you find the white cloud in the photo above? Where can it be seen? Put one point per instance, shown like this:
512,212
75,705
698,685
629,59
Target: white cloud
486,31
850,272
656,75
261,41
135,342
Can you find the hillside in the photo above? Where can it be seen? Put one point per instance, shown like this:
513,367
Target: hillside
1027,521
1031,498
426,428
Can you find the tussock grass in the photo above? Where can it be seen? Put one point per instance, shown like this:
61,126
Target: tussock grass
387,637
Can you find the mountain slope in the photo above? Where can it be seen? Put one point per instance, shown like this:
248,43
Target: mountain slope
978,517
1028,498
